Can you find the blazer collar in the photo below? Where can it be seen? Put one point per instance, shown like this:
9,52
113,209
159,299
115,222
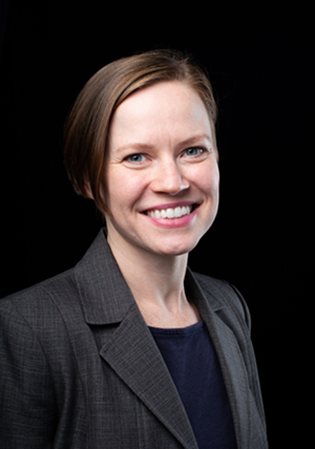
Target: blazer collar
104,293
101,283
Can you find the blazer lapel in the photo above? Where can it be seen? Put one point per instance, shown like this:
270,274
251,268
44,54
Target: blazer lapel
133,354
131,350
230,358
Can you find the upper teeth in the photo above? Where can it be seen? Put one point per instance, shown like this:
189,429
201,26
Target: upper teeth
170,212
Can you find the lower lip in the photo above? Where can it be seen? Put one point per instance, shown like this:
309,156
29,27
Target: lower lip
173,222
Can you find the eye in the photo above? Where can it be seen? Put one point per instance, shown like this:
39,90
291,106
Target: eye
137,157
193,151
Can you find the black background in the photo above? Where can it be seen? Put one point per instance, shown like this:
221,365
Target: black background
260,62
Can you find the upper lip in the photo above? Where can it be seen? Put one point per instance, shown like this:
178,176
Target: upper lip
171,205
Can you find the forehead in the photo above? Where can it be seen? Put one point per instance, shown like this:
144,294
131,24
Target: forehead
161,110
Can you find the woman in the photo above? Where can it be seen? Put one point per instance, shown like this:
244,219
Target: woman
130,349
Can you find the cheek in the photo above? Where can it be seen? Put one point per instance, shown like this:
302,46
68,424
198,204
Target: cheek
124,189
215,181
208,179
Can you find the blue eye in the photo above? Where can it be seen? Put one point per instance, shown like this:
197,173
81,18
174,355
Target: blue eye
193,151
137,157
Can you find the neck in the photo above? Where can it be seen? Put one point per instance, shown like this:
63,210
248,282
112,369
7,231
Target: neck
157,284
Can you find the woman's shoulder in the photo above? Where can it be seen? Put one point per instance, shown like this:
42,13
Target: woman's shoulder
43,324
41,301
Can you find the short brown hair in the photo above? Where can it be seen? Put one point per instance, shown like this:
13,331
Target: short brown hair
87,127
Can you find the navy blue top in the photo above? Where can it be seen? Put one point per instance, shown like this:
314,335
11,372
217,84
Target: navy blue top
193,364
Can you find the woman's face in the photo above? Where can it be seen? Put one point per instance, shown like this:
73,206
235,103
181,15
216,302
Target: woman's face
162,177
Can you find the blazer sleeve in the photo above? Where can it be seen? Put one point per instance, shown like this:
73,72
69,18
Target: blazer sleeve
27,404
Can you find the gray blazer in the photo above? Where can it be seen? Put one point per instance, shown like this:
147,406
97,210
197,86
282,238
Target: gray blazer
80,369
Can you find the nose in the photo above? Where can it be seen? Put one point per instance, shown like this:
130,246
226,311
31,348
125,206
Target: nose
168,178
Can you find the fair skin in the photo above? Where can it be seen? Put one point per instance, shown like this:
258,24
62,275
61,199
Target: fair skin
162,184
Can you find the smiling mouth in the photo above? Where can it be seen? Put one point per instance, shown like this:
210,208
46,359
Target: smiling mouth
170,212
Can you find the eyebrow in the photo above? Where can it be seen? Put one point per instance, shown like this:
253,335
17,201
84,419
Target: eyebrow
195,139
140,146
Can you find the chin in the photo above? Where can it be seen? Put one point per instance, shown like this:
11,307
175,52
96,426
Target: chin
179,249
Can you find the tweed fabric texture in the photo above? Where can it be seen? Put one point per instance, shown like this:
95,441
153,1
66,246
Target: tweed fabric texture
79,367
